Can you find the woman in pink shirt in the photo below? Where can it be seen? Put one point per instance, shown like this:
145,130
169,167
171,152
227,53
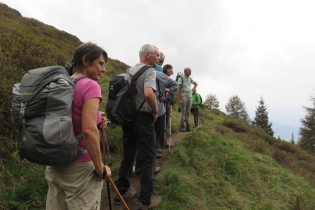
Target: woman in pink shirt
78,185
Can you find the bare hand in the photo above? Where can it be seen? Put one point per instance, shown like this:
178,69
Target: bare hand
155,116
108,174
103,124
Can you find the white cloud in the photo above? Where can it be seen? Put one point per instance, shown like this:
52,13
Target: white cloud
249,48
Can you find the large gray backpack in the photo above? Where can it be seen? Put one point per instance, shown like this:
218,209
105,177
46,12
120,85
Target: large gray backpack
41,109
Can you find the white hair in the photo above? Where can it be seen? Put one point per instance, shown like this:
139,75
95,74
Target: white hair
146,48
162,56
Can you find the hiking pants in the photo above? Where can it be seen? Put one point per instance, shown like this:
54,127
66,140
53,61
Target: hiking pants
73,186
138,135
159,131
195,112
160,128
185,109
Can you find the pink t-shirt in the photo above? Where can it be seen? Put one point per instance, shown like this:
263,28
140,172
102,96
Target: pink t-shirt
85,89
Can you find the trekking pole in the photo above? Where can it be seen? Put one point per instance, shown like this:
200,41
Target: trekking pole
109,178
110,159
105,161
170,139
164,126
106,143
164,118
164,133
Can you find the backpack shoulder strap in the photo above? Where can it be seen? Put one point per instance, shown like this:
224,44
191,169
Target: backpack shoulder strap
74,80
135,77
79,136
159,89
141,71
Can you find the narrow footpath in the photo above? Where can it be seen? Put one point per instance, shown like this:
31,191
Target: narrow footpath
135,179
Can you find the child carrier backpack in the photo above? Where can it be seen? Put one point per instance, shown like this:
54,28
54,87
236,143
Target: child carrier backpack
41,110
179,75
120,105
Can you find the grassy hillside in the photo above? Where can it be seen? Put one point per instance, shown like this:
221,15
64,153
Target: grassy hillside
227,164
223,164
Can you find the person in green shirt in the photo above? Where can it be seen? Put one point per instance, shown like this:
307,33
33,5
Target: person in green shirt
196,101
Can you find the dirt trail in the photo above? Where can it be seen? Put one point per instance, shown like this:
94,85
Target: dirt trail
135,179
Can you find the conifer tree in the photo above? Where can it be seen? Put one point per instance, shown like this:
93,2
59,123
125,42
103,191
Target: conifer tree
261,119
212,101
307,131
292,139
236,109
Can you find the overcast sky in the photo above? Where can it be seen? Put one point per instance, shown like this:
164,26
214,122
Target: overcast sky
248,48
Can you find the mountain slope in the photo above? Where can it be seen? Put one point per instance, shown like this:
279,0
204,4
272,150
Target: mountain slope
222,164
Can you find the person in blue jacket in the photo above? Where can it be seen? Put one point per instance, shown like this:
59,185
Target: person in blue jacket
160,63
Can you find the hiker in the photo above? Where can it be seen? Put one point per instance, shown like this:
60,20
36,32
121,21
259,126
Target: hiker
139,135
168,70
163,83
184,97
167,94
78,185
196,101
160,63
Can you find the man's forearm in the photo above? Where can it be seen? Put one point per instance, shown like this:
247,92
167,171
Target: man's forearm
151,101
179,92
195,85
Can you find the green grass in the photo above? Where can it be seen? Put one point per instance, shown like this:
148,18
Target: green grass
223,164
209,171
23,185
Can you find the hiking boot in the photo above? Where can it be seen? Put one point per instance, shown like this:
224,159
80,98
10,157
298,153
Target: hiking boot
182,128
154,202
159,151
188,128
130,194
157,169
166,145
158,156
138,170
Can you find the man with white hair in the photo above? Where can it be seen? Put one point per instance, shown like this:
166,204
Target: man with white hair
139,134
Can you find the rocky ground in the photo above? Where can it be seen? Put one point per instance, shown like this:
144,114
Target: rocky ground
135,180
